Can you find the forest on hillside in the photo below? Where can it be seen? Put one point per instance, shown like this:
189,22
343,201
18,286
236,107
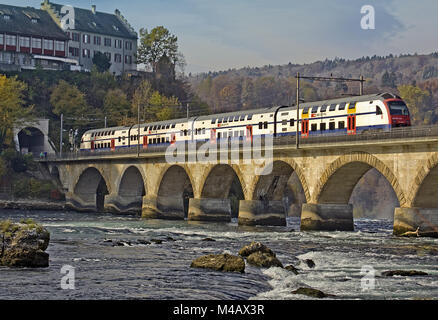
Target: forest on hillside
413,77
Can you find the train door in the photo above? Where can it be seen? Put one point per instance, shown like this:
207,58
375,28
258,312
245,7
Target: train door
172,138
305,128
213,135
113,145
249,136
351,124
145,142
92,146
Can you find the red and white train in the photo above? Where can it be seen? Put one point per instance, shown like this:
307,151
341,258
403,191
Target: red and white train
345,116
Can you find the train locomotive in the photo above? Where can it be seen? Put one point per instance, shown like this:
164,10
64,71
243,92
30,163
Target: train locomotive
345,116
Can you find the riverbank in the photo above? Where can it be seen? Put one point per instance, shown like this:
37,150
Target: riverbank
32,205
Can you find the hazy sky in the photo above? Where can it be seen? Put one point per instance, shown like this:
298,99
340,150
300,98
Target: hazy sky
223,34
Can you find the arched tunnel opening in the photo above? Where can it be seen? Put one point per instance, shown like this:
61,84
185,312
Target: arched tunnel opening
31,140
281,185
175,191
223,183
363,186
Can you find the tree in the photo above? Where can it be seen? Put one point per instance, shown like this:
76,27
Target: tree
116,107
67,99
140,99
12,109
157,45
416,99
101,61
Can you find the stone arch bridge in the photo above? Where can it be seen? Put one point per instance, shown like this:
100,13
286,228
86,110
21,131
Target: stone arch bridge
206,190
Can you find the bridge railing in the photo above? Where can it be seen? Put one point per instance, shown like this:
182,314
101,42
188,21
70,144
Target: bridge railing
326,138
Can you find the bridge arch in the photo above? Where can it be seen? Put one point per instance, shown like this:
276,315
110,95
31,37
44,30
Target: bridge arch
175,190
337,183
91,187
132,183
224,182
425,187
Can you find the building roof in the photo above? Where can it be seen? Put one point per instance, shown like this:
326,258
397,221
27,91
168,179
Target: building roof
99,22
20,22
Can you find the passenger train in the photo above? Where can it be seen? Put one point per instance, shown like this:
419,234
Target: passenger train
345,116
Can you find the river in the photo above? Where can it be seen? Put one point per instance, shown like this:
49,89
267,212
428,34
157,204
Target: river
162,271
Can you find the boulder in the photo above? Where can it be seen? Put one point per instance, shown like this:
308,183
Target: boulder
310,263
291,268
263,260
23,244
404,273
208,240
313,293
220,262
248,250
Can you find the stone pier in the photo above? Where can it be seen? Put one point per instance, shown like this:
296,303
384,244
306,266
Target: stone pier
410,219
218,210
271,213
327,217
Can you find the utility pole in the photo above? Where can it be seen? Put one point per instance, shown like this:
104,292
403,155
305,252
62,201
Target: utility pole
138,131
105,122
361,85
60,141
298,110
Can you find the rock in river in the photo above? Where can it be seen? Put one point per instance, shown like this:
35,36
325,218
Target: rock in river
291,268
24,244
248,250
263,260
404,273
220,262
313,293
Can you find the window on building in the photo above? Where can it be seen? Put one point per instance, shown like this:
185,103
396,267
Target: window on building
48,44
85,53
128,45
118,44
2,40
59,46
97,40
86,38
7,17
75,37
11,40
36,43
108,55
74,52
34,20
25,42
117,57
107,42
128,59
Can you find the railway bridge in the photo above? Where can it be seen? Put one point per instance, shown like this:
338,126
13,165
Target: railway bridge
227,184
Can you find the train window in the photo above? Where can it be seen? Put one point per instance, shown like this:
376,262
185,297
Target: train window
341,125
314,127
378,110
284,129
203,131
352,105
213,121
145,129
266,125
285,114
242,118
167,126
315,109
332,125
219,135
123,138
306,110
333,107
185,132
242,133
249,117
120,139
324,108
292,122
342,106
150,141
323,126
236,118
114,132
167,140
163,140
190,132
173,126
260,125
236,134
284,122
220,121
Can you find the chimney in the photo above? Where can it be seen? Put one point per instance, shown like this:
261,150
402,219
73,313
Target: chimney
93,9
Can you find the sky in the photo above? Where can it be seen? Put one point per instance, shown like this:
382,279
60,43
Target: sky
216,35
